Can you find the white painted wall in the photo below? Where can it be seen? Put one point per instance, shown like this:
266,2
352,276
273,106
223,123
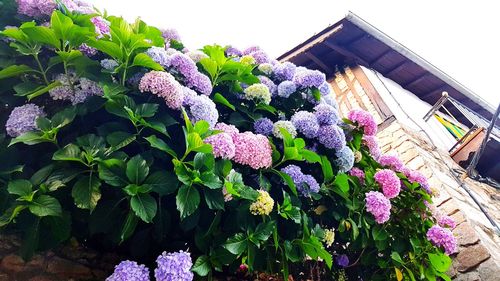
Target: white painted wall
403,103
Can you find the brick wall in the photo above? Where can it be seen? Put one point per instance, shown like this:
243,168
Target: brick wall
478,257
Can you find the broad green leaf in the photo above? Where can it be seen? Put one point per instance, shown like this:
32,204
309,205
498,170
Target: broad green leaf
30,138
263,231
203,161
161,145
42,90
210,67
86,192
187,200
342,182
70,152
119,139
20,187
162,182
397,258
137,169
379,233
211,180
128,226
63,117
144,206
201,127
69,56
44,35
440,262
310,156
107,47
112,172
15,70
195,143
45,205
202,266
146,61
237,244
326,166
214,199
147,109
10,214
218,98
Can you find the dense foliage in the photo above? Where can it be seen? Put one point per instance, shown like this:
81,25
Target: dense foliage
118,136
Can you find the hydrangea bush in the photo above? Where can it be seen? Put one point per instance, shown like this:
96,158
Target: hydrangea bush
119,136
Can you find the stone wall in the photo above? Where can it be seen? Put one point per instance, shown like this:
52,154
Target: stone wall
478,256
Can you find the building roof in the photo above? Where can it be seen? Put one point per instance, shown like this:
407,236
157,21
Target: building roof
353,40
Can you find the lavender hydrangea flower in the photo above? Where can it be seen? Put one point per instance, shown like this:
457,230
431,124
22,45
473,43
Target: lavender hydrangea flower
196,55
226,128
373,147
258,92
345,159
269,83
342,260
306,123
286,88
284,71
78,6
416,176
87,50
174,267
22,119
233,52
185,66
201,83
442,237
330,100
287,125
251,49
73,89
307,78
447,221
36,8
326,114
331,136
164,85
109,64
85,89
357,172
261,57
253,150
325,89
159,55
305,184
169,34
101,26
223,145
378,205
392,161
389,181
203,108
129,271
263,126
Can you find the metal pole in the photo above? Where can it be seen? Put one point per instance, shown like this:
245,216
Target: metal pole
436,106
471,169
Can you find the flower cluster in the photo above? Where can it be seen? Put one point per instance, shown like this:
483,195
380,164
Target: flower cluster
447,221
305,184
391,161
329,237
307,78
372,145
364,120
174,267
252,150
36,8
266,68
442,237
223,145
263,126
389,181
273,89
378,205
129,271
258,93
263,205
326,114
286,88
164,85
357,172
73,89
332,136
22,119
287,126
201,107
306,123
416,176
284,71
258,54
345,159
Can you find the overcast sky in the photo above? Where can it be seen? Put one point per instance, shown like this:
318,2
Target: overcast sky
459,37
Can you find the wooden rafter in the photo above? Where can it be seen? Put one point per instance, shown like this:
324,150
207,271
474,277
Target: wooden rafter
396,68
344,51
321,64
415,81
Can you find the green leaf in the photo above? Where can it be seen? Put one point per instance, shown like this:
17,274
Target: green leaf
236,244
355,229
210,67
379,233
119,140
63,117
69,56
20,187
214,199
326,166
30,138
137,169
397,258
15,70
45,205
204,161
310,156
187,200
195,143
10,214
263,231
44,35
161,145
201,127
218,98
211,180
144,206
440,262
107,47
86,192
42,90
202,266
147,109
162,182
291,153
144,60
111,171
129,226
70,152
342,182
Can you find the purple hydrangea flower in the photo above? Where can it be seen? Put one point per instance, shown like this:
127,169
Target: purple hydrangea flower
87,50
305,184
233,52
357,172
201,83
364,120
109,64
184,65
261,57
269,83
342,260
174,267
101,26
286,88
251,49
22,119
378,205
326,114
86,88
164,85
159,55
226,128
389,181
392,161
331,136
330,100
416,176
129,271
223,146
372,144
170,34
447,221
78,6
36,8
203,108
325,89
78,92
284,71
196,55
345,159
306,123
306,78
442,237
263,126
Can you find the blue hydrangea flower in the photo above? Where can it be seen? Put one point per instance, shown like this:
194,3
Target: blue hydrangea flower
269,83
345,159
306,78
286,88
325,89
263,126
306,123
232,52
22,119
284,71
159,55
129,271
109,64
326,114
330,100
305,184
202,108
331,136
174,267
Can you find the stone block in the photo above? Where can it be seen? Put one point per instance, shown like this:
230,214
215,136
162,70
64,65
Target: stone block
12,263
465,234
470,276
458,217
471,257
489,270
448,208
67,269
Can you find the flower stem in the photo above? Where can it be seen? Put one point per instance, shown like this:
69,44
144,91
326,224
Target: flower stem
42,70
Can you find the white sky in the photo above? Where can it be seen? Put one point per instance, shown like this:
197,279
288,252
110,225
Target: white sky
459,37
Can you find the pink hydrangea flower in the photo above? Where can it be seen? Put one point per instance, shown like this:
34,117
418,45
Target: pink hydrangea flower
389,181
36,8
372,144
447,221
378,205
164,85
442,237
392,161
357,172
226,128
416,176
223,146
252,150
364,120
